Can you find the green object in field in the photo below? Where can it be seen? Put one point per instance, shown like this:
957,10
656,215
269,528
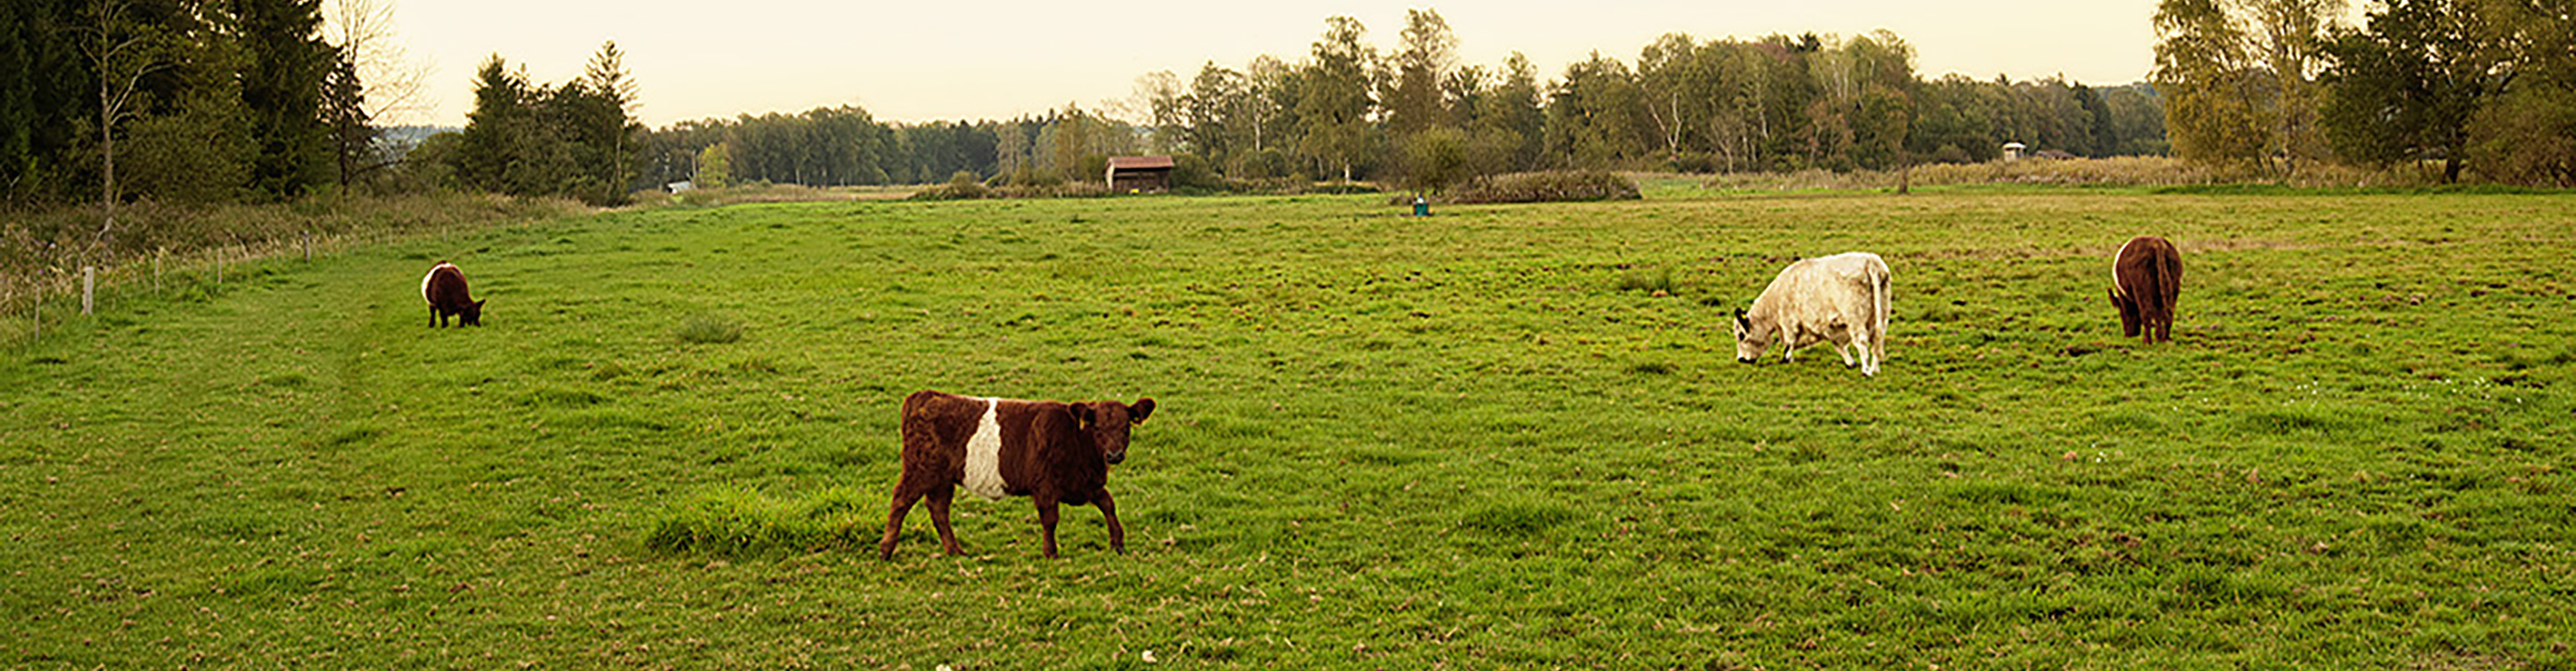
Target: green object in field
1421,208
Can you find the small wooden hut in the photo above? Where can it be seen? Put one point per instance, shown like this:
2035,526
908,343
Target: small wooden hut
1139,173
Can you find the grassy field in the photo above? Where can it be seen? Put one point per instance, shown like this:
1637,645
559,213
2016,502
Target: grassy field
1470,441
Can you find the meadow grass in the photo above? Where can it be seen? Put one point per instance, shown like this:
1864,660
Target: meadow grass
1380,442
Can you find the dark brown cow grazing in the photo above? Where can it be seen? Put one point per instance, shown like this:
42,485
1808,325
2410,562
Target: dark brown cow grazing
444,288
1050,452
2146,279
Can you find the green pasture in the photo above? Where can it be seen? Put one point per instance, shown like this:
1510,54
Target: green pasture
1476,440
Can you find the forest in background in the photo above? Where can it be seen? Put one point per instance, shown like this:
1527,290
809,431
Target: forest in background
106,105
1420,117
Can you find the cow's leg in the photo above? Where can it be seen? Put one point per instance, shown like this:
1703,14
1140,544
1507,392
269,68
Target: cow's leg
2129,319
1846,354
939,499
1046,526
1109,512
1868,362
1788,344
904,497
434,321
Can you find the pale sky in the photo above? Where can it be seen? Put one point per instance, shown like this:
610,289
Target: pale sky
917,60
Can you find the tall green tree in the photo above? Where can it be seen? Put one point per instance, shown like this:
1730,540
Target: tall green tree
2241,76
2215,110
2527,133
1333,103
501,133
1595,115
344,111
606,122
285,64
1415,99
121,53
1510,118
2404,87
1680,83
44,81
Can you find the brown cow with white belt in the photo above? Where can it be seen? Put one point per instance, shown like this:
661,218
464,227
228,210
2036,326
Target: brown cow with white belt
2146,281
994,447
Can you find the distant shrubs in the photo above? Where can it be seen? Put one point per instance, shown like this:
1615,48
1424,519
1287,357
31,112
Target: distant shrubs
961,186
964,186
709,329
1341,188
1548,187
1059,190
2118,171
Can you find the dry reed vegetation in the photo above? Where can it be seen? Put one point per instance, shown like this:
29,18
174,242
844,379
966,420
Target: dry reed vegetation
2127,171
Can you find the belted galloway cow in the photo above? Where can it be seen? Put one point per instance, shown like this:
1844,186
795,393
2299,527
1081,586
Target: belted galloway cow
1053,453
444,288
2146,281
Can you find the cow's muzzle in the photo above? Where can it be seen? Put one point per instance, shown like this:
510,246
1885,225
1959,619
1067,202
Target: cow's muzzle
1118,456
1743,360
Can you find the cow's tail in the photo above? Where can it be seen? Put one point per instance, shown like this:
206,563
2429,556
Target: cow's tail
1879,288
2163,281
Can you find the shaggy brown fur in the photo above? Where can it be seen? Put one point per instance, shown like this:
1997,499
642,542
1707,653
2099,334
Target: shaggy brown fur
2146,281
444,288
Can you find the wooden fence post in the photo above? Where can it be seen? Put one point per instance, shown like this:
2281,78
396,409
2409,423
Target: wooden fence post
308,246
156,271
40,307
89,285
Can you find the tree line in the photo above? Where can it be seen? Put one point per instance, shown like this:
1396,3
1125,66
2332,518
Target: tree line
1419,116
578,139
105,101
2460,86
1777,103
844,146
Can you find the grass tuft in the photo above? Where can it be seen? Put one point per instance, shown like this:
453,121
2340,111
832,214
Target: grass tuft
709,330
1642,280
738,523
1520,516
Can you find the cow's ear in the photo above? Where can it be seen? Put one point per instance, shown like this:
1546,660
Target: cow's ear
1082,416
1136,413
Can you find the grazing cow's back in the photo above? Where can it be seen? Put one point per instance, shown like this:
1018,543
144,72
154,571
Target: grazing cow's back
2146,283
444,288
1842,298
1052,452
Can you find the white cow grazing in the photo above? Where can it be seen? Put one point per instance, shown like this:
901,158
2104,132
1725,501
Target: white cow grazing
1842,298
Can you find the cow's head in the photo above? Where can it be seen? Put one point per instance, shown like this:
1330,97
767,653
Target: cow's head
1106,423
1749,341
473,314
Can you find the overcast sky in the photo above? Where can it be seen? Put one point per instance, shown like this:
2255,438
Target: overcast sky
921,60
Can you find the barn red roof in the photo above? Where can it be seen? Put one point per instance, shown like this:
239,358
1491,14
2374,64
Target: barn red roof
1139,162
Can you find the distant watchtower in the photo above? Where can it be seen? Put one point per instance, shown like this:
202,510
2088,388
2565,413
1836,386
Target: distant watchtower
1139,173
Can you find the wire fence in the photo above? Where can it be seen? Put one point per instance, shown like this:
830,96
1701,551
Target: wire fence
44,301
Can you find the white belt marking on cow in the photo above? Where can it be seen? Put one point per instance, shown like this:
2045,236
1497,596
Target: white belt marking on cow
984,454
2115,267
434,272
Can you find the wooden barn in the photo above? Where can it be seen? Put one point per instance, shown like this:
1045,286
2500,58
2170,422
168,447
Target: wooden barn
1140,173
